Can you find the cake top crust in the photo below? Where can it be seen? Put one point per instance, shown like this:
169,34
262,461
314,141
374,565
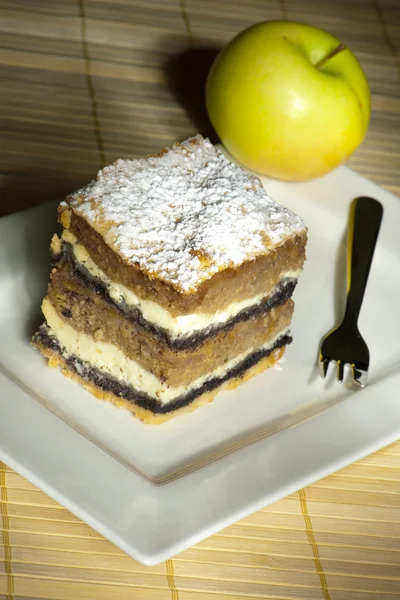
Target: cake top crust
183,215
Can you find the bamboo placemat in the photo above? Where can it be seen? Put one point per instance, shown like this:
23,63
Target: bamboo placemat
338,539
82,83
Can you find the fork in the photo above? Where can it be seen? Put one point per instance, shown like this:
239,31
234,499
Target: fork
345,344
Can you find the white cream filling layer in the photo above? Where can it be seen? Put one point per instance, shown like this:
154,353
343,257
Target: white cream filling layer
181,326
112,361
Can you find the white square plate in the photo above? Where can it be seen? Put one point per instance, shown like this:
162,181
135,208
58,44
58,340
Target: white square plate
280,431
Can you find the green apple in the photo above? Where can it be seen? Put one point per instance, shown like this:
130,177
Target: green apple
288,100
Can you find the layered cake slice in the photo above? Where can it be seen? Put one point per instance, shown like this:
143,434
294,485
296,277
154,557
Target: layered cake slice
172,279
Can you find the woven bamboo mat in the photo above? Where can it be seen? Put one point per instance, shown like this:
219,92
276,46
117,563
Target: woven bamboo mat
82,83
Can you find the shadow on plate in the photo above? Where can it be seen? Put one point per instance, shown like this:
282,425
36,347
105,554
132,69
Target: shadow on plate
36,244
339,305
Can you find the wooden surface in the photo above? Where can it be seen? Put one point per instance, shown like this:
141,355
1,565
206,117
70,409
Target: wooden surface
82,83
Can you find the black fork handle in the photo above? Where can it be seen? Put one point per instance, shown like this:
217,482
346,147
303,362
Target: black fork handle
363,232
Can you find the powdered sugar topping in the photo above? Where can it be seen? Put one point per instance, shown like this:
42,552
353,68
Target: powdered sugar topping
184,215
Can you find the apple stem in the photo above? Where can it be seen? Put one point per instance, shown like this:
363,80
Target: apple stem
321,63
